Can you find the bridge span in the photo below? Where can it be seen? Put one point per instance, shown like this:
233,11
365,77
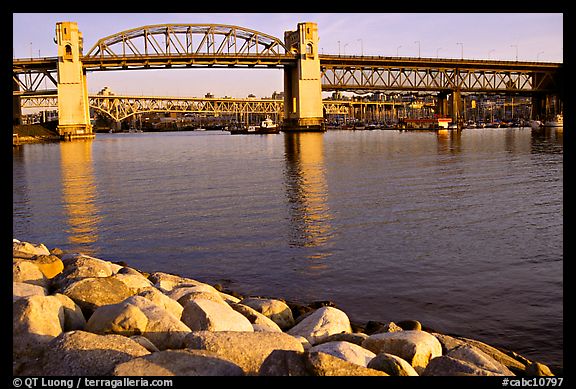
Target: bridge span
306,72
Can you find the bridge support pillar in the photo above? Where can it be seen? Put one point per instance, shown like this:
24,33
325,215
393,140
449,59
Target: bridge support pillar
456,107
16,106
73,106
303,109
442,104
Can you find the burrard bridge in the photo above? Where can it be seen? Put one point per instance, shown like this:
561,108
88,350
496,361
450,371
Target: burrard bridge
307,73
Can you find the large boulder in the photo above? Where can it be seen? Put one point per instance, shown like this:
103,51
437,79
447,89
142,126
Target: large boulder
347,351
166,282
80,266
392,365
36,320
122,319
81,353
448,366
136,282
322,364
179,363
247,349
24,289
414,346
28,250
322,323
49,265
94,292
258,320
203,314
160,299
477,357
73,317
164,329
276,310
284,363
26,271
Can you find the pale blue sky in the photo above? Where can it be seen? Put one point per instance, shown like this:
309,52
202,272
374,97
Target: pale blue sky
482,36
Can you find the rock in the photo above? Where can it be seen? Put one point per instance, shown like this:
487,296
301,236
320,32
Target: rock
164,329
49,265
277,311
416,347
28,250
57,252
537,369
284,363
92,293
473,355
142,341
256,318
448,366
200,295
322,364
36,320
162,300
81,353
409,325
447,342
179,363
392,365
73,317
356,338
28,272
121,318
347,351
247,349
376,327
181,291
78,267
202,314
229,298
322,323
303,341
513,364
167,282
24,289
135,282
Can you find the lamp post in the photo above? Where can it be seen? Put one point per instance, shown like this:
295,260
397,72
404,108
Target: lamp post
418,48
462,49
538,56
361,46
345,44
338,48
437,50
490,52
398,48
516,46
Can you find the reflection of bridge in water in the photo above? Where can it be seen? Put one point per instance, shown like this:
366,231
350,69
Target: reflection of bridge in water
306,72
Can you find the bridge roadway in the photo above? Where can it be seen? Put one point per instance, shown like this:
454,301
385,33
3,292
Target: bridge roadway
343,73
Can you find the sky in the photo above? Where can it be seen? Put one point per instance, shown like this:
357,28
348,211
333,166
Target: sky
497,36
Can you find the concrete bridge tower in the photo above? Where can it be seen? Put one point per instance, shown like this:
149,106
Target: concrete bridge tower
73,106
302,83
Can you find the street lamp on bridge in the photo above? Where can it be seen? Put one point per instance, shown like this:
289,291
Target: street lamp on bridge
462,49
437,50
361,46
538,56
418,48
398,48
516,46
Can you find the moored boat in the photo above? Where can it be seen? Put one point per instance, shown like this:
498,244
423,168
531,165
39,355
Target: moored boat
557,121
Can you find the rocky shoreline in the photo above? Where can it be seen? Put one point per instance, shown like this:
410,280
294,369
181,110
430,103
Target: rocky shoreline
77,315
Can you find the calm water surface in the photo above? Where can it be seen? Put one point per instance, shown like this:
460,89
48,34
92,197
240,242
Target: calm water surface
462,231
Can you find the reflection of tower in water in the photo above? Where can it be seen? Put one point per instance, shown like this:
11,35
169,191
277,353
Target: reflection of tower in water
307,190
79,194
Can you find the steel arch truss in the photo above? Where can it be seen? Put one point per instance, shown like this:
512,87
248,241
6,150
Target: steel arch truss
185,41
364,79
122,107
34,81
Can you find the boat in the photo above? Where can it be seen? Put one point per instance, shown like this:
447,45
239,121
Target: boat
268,127
536,124
557,121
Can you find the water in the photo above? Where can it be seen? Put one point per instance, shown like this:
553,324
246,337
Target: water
461,231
